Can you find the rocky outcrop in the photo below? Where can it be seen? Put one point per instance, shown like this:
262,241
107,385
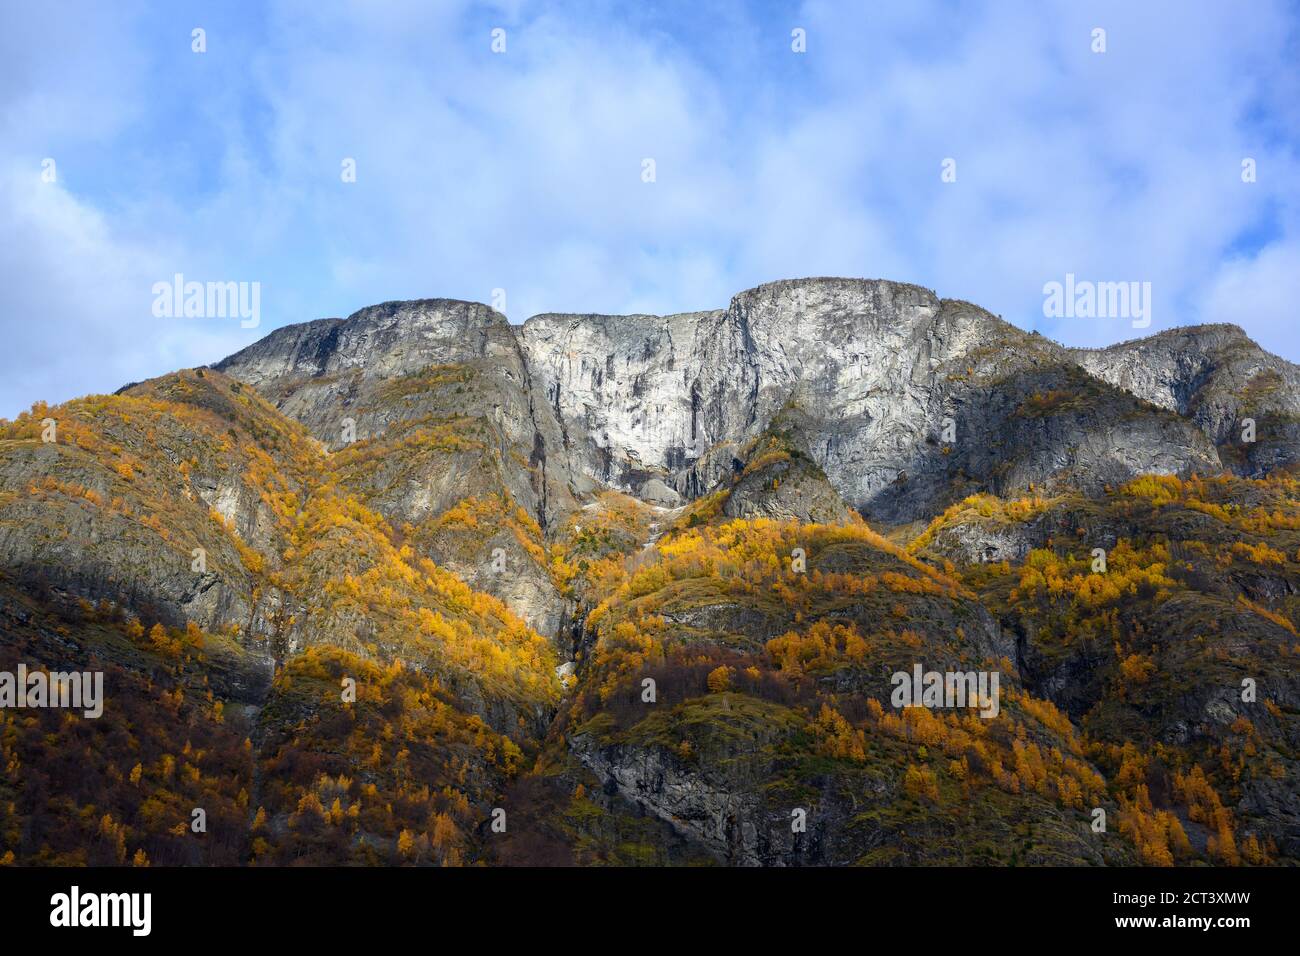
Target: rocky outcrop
1216,376
379,368
733,824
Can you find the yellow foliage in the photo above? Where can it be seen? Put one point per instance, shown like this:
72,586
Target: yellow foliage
719,679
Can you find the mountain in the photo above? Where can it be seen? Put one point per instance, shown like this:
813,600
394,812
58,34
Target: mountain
1217,377
422,586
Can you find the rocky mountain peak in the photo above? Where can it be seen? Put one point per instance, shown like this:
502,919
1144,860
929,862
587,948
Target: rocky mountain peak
391,338
881,370
432,317
846,294
1218,377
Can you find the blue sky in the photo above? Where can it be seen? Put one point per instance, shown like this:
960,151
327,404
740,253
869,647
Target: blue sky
522,170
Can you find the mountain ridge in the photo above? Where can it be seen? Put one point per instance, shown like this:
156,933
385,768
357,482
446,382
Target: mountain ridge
693,413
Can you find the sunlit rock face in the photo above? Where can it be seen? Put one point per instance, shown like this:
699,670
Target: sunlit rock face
906,401
902,398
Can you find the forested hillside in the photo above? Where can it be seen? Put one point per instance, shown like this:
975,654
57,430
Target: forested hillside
421,587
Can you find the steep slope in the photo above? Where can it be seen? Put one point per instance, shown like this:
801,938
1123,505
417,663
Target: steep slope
431,407
1175,655
197,545
131,485
173,736
736,678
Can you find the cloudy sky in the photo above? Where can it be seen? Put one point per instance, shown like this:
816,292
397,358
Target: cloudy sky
522,170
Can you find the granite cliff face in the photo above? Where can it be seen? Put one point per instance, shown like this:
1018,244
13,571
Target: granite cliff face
906,401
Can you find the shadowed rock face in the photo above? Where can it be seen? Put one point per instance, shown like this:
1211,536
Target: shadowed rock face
441,405
1216,376
381,341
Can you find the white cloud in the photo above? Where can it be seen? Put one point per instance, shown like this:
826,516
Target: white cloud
522,171
77,300
1261,293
